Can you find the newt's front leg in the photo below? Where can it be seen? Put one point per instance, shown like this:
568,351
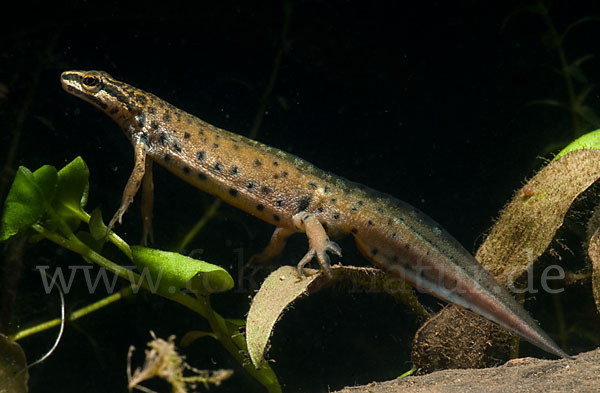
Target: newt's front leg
134,182
318,242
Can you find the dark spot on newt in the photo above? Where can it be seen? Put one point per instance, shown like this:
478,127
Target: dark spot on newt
250,185
279,202
354,230
151,110
407,246
313,186
154,124
176,147
370,222
275,163
166,117
304,203
114,111
233,170
374,251
320,209
325,227
379,210
276,217
389,222
215,145
284,174
260,207
144,139
326,189
394,235
167,157
276,176
235,147
141,119
360,203
186,170
265,190
218,167
336,216
186,135
162,138
201,176
395,258
354,209
141,99
257,162
333,200
200,156
233,192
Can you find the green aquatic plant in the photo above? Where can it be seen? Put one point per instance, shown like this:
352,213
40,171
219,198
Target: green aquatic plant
577,86
50,204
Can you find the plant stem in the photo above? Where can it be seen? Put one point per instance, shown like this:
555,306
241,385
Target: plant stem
564,67
212,210
74,315
265,375
201,305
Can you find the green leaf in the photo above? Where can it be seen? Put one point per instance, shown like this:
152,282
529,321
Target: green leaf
72,192
46,179
89,240
588,141
407,374
548,102
26,201
579,61
168,272
97,227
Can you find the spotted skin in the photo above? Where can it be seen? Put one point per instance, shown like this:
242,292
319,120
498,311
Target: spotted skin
290,193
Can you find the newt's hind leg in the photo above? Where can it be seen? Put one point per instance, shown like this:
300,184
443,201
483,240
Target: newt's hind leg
147,204
274,248
318,242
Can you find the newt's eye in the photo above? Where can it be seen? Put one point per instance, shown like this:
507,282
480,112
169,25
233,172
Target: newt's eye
91,82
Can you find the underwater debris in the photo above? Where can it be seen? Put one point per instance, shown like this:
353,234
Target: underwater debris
163,361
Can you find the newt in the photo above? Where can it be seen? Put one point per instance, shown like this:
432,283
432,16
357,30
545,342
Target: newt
295,196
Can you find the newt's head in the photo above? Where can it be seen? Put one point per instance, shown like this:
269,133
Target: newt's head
119,100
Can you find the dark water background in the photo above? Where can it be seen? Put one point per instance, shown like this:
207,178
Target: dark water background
427,102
